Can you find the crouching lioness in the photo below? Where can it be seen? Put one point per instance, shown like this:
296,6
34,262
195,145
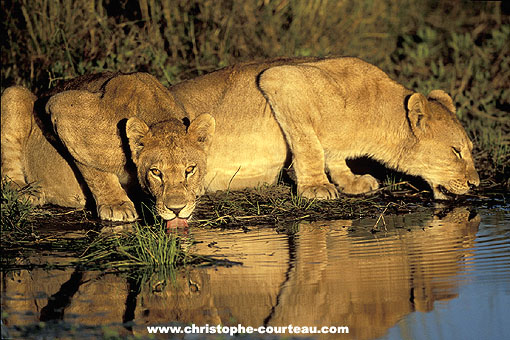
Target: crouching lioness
319,111
167,157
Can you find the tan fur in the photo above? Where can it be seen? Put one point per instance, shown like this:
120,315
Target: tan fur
318,111
30,157
91,115
325,111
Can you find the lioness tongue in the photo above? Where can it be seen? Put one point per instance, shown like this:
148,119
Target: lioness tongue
176,223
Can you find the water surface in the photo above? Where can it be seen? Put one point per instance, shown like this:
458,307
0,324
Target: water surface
433,274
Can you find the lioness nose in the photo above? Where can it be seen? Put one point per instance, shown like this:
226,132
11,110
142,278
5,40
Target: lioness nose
176,208
474,179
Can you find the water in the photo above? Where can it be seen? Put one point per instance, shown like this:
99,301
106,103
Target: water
433,274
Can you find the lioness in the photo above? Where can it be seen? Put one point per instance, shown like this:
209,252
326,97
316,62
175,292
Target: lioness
320,111
31,153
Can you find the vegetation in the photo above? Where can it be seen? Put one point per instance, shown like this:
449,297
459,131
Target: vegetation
142,246
279,206
15,208
145,246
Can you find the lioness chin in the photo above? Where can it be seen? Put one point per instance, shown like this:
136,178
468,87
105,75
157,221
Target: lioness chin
319,111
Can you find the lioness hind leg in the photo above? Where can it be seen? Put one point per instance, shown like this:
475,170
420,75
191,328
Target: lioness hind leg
17,108
112,202
348,182
16,124
295,111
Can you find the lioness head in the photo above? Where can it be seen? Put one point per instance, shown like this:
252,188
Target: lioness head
171,163
442,150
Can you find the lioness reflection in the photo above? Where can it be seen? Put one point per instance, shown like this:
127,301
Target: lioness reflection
324,274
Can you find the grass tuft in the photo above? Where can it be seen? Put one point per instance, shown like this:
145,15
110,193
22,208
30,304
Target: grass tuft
143,246
15,207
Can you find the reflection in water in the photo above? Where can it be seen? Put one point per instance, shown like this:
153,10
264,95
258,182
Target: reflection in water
368,282
333,273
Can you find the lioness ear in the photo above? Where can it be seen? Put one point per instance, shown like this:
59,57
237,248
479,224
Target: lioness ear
135,130
443,98
417,113
202,129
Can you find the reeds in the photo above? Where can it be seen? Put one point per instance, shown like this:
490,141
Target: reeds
176,40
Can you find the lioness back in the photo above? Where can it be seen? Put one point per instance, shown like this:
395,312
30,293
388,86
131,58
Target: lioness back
248,147
32,156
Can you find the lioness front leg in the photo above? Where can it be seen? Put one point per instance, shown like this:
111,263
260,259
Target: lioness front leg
95,145
296,114
348,182
112,202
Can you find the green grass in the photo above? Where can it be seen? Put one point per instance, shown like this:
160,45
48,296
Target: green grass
392,183
301,203
142,245
180,39
145,246
15,208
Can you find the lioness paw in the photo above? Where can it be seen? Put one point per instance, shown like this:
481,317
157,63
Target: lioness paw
361,184
326,191
124,211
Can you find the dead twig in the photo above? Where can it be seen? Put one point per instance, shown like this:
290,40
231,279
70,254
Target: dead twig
381,218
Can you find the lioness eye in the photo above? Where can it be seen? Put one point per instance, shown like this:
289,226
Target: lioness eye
156,172
190,169
457,153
